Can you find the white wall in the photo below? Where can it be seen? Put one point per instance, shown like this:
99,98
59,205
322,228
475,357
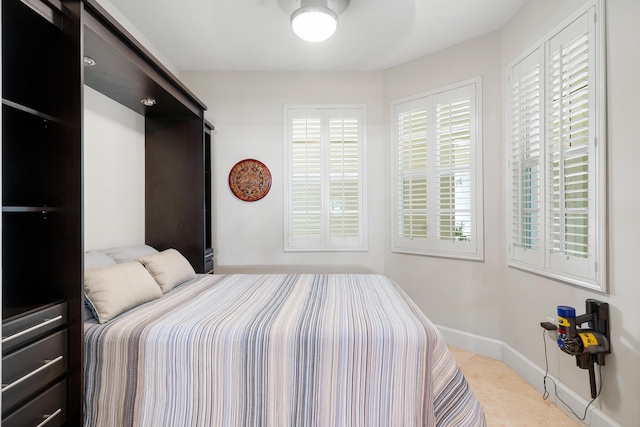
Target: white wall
246,110
464,295
114,144
492,300
527,298
113,173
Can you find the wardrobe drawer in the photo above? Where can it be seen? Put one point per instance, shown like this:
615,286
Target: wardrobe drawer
208,260
30,369
49,409
25,328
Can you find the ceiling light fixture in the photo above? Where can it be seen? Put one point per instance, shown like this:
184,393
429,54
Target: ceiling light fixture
315,21
88,62
148,102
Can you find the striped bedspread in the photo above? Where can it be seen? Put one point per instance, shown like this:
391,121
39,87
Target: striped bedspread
275,350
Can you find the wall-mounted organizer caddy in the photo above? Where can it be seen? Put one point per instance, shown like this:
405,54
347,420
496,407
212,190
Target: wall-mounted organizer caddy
589,344
43,76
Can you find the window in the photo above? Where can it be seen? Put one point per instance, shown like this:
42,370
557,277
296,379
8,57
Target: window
556,154
438,174
325,193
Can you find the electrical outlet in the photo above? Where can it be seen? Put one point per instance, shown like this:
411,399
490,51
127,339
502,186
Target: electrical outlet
553,320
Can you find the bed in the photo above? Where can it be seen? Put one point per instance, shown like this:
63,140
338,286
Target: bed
295,350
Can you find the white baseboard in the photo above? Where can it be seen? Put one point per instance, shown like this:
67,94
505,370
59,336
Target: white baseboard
529,371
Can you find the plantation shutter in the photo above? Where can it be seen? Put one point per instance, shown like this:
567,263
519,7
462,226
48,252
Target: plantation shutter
437,162
344,178
557,153
412,171
570,149
524,141
325,189
306,178
453,166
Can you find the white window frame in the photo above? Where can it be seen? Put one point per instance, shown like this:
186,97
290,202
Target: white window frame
471,245
325,242
548,257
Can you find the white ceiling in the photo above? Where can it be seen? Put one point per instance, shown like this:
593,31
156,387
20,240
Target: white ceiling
255,35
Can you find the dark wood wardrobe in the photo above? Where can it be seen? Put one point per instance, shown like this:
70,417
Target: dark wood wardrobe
44,46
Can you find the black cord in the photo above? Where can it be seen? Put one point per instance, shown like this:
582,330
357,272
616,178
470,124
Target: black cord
545,395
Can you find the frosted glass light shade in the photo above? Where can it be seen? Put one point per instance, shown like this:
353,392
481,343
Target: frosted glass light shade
314,23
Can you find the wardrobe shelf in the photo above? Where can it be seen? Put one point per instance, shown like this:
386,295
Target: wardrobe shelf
29,110
29,209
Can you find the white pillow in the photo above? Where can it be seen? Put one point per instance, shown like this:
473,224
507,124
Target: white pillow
128,253
169,268
115,289
94,259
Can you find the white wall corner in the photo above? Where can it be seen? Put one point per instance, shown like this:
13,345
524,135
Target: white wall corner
529,371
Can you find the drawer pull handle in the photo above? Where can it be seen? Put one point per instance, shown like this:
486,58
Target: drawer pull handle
32,373
49,418
33,328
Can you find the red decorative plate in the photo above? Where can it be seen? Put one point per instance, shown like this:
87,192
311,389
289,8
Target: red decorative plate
249,180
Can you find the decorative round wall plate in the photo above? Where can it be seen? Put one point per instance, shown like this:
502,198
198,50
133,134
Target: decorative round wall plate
249,180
